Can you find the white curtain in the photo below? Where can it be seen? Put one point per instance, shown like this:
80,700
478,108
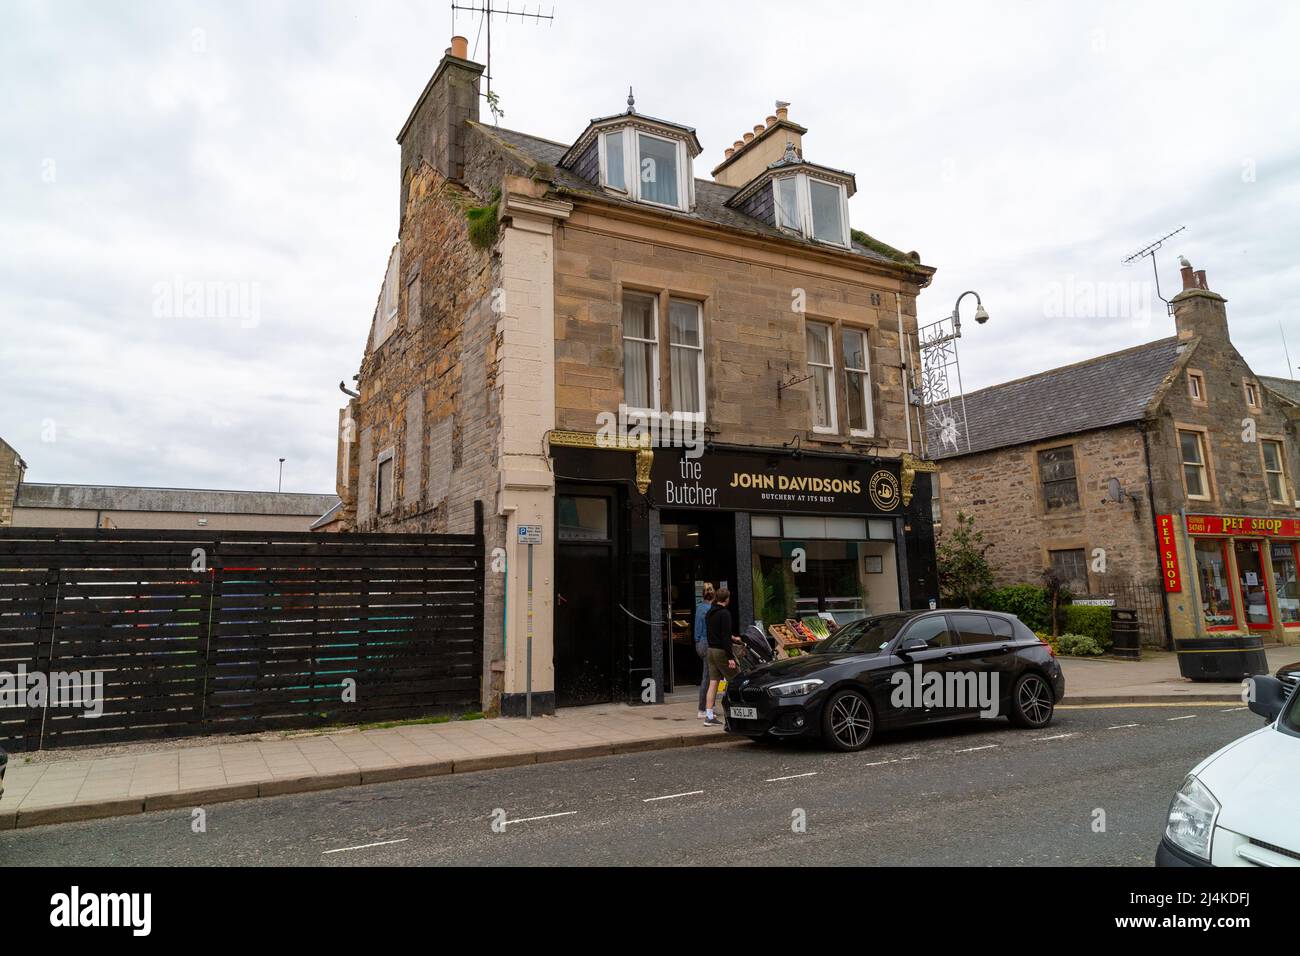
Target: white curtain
657,169
687,354
639,345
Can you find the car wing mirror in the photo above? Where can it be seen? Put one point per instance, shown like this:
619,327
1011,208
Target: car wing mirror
912,645
1267,696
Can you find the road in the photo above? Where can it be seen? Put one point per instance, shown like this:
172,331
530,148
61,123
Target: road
977,794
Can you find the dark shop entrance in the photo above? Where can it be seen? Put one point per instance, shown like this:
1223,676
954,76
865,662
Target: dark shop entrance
589,643
698,547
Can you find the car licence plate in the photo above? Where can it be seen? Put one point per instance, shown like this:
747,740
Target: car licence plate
744,713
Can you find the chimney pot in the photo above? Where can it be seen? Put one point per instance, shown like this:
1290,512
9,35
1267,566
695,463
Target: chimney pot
1189,278
728,151
771,120
749,137
758,128
460,47
1200,280
782,112
738,144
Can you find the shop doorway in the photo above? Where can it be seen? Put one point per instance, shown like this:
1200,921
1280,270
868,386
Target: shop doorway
698,546
587,641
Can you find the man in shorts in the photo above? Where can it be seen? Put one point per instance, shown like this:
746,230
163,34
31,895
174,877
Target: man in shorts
721,662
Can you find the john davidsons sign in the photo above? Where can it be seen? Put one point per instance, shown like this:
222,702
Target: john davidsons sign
741,481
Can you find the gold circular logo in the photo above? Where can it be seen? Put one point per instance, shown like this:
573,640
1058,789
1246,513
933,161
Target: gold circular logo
884,490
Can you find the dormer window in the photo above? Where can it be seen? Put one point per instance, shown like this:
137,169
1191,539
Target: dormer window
638,157
649,168
815,208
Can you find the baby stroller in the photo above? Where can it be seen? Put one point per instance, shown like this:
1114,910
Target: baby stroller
754,649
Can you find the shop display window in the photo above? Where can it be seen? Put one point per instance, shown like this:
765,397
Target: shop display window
794,578
1218,608
1253,584
1285,582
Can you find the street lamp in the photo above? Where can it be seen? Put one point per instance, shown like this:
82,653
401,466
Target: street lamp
938,347
980,315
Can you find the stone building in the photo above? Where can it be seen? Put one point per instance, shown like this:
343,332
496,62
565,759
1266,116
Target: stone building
666,379
12,468
1163,470
50,505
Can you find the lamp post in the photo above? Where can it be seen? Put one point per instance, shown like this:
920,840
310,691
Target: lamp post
279,486
938,347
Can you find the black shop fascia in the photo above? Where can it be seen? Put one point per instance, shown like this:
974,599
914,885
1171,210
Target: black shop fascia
789,533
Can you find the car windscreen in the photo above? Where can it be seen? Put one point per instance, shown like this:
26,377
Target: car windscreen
867,635
1289,720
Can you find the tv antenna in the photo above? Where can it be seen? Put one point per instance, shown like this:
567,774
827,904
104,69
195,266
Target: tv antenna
486,10
1150,251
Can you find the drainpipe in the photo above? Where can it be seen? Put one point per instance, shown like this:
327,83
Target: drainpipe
907,378
1155,536
507,513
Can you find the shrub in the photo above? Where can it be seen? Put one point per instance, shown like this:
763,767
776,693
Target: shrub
1047,638
483,222
964,572
1026,601
1090,621
1079,645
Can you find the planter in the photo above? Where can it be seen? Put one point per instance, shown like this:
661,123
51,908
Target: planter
1226,658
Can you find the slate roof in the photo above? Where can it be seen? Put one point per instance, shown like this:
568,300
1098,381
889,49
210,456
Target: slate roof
33,494
710,199
1097,393
1288,388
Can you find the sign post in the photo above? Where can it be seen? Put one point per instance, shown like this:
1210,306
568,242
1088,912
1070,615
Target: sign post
529,534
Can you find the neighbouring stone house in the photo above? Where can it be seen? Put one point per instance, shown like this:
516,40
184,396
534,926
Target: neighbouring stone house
12,468
1167,469
669,379
53,505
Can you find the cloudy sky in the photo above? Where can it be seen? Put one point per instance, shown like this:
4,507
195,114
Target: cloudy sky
1022,148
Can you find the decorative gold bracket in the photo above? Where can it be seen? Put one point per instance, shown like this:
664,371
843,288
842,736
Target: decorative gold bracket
912,466
645,453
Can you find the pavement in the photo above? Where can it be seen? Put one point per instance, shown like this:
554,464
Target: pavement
59,786
1092,789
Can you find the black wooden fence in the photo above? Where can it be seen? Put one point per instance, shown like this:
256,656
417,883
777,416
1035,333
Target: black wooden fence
230,632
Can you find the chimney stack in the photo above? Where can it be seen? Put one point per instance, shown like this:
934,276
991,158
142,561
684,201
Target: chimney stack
435,131
1198,312
759,148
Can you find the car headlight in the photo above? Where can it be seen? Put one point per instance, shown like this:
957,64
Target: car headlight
795,688
1192,813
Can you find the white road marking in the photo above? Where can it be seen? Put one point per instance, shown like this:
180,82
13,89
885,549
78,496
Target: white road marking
1188,717
1233,709
364,846
545,816
971,750
673,796
1057,737
880,763
793,776
1123,726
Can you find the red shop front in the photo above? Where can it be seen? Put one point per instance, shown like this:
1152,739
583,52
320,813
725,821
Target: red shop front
1243,570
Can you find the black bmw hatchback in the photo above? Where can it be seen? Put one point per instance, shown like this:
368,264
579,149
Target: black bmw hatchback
897,670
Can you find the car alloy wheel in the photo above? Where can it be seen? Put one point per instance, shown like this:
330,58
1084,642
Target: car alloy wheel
1033,702
847,722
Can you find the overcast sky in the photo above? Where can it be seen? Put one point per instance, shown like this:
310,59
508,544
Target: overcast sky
1022,148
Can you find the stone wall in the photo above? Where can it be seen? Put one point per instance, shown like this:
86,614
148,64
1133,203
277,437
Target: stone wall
1000,490
754,338
11,475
